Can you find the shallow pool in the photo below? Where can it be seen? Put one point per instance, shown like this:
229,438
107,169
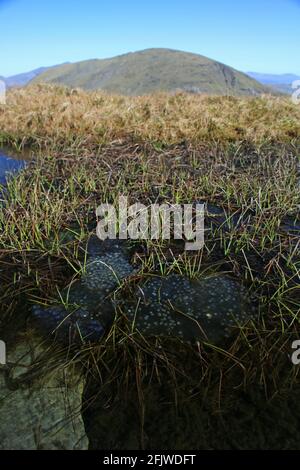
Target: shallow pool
9,164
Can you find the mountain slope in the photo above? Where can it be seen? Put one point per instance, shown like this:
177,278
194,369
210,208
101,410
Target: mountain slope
152,70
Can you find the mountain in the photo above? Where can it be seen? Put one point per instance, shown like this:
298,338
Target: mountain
152,70
22,79
282,83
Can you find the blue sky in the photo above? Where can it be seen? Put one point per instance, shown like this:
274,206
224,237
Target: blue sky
250,35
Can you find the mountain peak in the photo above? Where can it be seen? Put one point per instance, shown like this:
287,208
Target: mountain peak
151,70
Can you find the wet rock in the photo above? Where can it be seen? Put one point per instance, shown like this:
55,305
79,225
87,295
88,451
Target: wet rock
39,410
86,310
206,309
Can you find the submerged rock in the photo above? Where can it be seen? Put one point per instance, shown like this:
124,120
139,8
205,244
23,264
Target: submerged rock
205,309
40,406
86,309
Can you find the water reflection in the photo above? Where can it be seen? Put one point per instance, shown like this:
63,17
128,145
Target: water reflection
9,164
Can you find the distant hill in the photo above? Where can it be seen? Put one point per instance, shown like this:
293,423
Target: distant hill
281,83
152,70
22,79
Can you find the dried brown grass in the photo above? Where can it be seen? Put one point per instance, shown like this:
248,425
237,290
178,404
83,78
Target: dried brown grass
44,115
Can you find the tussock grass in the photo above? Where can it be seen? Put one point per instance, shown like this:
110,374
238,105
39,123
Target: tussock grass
46,115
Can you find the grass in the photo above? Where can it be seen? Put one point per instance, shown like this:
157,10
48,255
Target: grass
239,154
60,118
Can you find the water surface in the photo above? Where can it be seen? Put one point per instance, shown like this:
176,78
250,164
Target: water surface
10,163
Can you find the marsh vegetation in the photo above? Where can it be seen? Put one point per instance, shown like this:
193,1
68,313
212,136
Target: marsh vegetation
237,155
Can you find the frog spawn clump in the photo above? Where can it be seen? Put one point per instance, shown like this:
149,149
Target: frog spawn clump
104,273
205,309
87,310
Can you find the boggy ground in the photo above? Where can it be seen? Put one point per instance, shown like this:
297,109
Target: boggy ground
240,156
